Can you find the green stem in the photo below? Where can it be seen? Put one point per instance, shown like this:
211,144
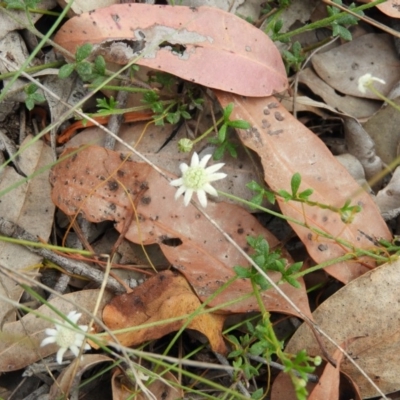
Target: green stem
355,252
323,22
35,50
371,87
122,88
207,132
32,70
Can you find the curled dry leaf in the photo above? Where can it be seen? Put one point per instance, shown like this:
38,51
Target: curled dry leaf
286,147
367,308
196,44
362,146
103,185
68,382
166,295
20,340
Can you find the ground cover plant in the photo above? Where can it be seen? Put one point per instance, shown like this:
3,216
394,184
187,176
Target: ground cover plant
199,201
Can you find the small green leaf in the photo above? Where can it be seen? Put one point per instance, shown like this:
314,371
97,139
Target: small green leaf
295,183
228,111
84,69
83,52
100,65
66,70
239,124
222,133
30,104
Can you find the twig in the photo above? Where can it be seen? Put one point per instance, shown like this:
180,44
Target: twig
80,268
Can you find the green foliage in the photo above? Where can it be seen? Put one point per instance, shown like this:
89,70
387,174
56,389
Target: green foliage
295,185
346,212
261,193
260,340
293,58
267,261
221,141
106,105
21,4
339,25
32,97
94,72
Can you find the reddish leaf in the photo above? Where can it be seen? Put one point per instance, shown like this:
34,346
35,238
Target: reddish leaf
286,147
203,45
166,295
199,251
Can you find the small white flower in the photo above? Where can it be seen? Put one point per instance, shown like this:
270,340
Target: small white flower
65,337
366,80
197,178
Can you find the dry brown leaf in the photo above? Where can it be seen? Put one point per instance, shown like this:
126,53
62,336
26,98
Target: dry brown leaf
350,105
286,147
85,183
182,41
360,145
121,387
389,7
332,385
388,199
329,383
163,296
28,205
68,381
20,340
372,53
383,129
367,308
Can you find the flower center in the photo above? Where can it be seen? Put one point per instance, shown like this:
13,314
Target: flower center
65,337
195,178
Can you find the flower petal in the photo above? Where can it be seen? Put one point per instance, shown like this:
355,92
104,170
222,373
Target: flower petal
177,182
179,192
216,177
213,168
201,195
205,160
210,190
188,196
183,167
60,354
48,340
51,332
195,160
75,350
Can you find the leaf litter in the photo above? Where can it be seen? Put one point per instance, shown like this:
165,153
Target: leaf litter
106,185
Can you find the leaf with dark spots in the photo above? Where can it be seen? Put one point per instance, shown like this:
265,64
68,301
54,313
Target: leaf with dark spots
188,240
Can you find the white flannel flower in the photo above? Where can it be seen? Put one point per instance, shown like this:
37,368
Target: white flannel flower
197,178
65,337
366,80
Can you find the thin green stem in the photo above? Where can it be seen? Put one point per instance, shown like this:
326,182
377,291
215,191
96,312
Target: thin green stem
207,132
356,252
35,51
32,70
323,22
122,88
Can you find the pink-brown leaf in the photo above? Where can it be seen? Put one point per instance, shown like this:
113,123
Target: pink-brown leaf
202,45
100,185
286,146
